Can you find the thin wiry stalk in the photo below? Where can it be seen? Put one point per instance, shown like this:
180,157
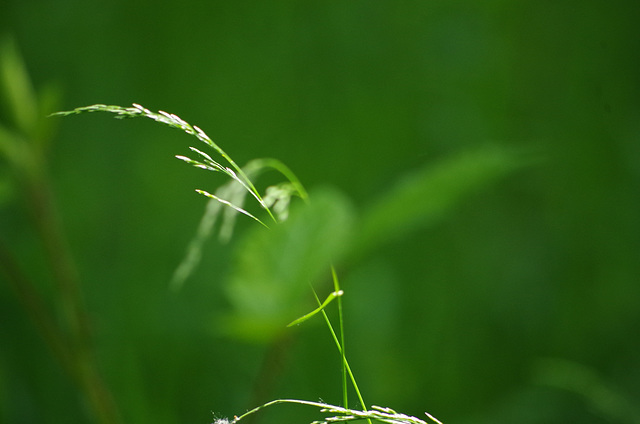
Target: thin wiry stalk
227,195
175,121
336,287
345,362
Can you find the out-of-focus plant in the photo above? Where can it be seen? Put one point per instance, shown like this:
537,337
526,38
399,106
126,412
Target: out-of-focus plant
63,322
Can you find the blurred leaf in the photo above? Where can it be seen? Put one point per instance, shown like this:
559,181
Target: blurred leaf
15,150
609,402
8,145
17,97
422,198
278,197
274,267
7,190
49,99
24,129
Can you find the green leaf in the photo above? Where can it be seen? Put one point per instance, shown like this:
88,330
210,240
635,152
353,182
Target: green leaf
230,205
274,267
16,92
424,197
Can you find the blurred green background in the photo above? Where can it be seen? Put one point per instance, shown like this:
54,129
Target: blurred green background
520,304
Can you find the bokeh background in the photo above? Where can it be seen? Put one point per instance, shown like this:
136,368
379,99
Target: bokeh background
520,304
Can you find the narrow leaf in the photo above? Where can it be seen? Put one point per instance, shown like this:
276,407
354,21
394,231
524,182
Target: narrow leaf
324,304
231,205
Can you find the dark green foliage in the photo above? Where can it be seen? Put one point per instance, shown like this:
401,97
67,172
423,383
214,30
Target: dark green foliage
449,315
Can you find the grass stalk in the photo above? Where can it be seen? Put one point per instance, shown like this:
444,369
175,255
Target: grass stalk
343,355
83,364
345,362
36,308
174,121
71,346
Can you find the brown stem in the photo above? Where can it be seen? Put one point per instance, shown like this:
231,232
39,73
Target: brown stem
65,276
73,347
273,366
36,308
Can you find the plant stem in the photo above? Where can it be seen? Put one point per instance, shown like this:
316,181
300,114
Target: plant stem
336,287
341,350
74,349
36,308
272,367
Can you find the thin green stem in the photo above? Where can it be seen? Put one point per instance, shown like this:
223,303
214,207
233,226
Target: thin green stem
345,361
323,305
336,287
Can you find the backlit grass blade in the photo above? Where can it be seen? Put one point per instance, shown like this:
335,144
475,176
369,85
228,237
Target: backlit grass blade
324,304
231,205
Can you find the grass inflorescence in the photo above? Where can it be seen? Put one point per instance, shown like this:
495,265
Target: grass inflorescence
342,414
228,201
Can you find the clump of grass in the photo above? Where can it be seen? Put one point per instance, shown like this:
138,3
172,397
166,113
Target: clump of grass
275,203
